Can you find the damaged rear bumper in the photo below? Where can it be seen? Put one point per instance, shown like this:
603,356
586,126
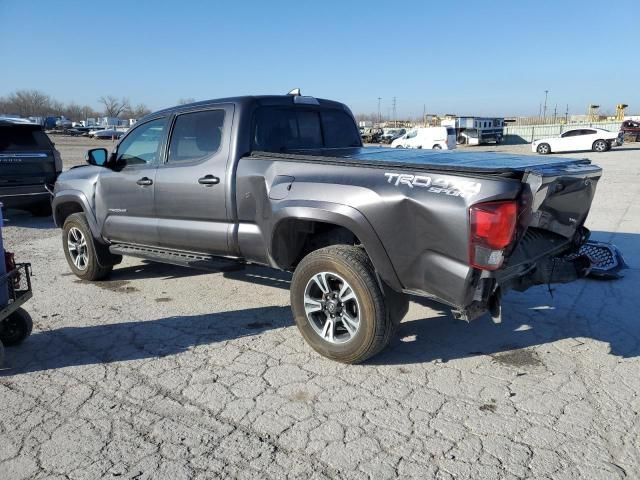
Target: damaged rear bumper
563,263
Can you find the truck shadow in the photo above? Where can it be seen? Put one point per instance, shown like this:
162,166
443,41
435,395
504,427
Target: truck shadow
23,219
138,340
604,311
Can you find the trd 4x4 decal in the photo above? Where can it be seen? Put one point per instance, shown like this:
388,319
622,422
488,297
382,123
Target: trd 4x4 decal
455,188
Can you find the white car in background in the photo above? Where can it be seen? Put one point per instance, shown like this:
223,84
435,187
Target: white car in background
596,139
427,138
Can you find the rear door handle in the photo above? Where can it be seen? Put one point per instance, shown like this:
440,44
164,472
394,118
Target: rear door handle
208,180
144,181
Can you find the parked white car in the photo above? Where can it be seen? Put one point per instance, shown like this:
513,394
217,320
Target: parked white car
427,138
596,139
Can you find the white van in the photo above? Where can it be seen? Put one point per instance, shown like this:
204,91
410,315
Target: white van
428,138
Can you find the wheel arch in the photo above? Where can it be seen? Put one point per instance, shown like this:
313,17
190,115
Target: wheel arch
301,228
68,202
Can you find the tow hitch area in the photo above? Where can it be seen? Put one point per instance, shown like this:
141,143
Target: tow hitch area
606,260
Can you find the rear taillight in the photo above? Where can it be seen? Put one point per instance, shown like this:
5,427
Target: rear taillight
492,226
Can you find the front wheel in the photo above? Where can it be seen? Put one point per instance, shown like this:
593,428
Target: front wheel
338,305
80,249
599,146
16,327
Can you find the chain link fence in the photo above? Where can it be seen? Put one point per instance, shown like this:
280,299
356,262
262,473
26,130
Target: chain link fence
528,133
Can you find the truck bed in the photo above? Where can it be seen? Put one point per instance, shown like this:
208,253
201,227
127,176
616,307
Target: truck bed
487,163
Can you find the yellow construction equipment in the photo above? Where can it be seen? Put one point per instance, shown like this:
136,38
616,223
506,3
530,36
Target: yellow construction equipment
620,108
593,114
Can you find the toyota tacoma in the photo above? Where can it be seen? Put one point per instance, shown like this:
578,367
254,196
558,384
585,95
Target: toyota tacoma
284,181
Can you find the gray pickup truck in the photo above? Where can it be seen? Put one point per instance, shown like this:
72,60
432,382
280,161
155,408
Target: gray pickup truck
284,181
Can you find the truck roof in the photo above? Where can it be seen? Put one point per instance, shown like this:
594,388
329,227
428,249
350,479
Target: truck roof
247,100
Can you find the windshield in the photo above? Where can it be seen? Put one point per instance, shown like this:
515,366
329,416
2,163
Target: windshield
20,138
278,129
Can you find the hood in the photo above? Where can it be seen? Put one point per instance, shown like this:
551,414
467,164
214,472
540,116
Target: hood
73,178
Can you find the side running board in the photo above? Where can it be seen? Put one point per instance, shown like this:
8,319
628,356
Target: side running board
177,257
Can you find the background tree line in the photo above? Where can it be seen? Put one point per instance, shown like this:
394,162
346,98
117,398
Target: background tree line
34,103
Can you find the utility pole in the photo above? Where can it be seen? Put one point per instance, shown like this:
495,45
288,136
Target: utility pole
379,98
395,119
555,112
546,93
566,115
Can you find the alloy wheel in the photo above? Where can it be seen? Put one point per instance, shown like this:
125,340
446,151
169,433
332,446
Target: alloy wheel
77,247
332,307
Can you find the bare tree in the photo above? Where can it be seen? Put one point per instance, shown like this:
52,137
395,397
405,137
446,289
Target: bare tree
114,107
138,111
73,111
27,103
184,101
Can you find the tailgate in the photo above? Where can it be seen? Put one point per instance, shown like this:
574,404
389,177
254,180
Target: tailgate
559,197
555,205
22,168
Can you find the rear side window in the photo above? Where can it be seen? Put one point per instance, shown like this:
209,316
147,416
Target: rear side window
282,129
19,138
339,130
196,136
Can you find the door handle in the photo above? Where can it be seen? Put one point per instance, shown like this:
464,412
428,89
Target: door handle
144,181
208,180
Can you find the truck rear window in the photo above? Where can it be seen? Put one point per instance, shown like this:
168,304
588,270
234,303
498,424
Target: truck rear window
278,129
19,138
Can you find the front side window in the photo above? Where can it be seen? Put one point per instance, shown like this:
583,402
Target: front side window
142,146
412,134
196,136
571,133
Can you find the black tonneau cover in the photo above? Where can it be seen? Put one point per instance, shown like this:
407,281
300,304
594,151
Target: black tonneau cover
460,161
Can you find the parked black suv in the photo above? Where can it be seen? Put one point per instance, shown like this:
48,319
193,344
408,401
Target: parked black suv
28,163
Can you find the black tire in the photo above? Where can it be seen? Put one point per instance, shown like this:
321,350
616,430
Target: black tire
41,210
16,327
1,355
376,325
462,139
436,147
599,146
544,149
399,146
89,269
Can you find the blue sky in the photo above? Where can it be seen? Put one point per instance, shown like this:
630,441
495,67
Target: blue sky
491,57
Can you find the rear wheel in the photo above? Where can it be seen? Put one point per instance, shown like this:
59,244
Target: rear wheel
80,249
599,146
437,147
16,327
544,149
339,307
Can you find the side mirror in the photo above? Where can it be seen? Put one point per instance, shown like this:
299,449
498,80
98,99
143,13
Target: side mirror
97,157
